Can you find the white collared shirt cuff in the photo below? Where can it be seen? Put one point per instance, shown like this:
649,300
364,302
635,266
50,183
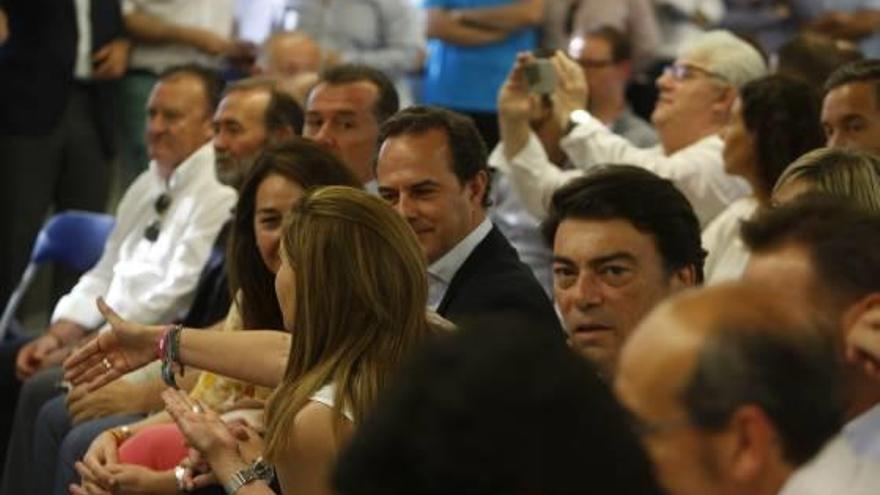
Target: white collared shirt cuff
79,309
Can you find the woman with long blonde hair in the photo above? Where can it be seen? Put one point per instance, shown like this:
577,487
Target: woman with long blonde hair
352,289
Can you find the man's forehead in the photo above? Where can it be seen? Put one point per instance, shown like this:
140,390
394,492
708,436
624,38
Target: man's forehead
357,96
613,234
251,101
181,92
859,97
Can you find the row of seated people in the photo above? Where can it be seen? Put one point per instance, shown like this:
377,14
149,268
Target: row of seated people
442,195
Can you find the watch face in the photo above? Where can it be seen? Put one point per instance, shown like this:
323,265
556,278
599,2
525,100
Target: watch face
263,469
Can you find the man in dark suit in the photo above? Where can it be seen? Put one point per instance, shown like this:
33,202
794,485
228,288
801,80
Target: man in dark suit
432,168
57,58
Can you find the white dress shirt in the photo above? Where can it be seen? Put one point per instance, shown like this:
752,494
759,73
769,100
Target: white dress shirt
697,170
849,464
441,272
728,255
153,281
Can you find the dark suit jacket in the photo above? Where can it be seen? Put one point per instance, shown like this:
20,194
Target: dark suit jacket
493,280
36,62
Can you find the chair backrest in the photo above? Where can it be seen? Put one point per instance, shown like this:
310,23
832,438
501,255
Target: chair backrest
74,239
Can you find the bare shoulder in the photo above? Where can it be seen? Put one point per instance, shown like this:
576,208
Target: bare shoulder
317,437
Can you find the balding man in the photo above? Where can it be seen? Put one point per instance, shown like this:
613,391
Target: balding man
730,390
696,95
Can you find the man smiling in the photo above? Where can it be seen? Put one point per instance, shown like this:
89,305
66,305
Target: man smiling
432,168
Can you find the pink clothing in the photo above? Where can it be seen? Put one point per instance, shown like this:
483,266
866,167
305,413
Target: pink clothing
159,447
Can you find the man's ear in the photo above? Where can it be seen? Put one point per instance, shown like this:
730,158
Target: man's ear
724,102
683,278
852,313
478,186
751,446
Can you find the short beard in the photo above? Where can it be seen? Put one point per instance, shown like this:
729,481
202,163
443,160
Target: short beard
231,171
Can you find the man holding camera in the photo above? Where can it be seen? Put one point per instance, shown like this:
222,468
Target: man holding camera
696,94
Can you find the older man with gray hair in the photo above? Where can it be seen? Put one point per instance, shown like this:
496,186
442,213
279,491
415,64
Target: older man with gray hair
697,92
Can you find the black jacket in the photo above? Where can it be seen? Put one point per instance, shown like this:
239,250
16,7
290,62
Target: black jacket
493,281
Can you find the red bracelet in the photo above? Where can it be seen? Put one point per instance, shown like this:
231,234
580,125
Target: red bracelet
160,347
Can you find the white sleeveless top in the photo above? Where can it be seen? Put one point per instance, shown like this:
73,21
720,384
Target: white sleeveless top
326,395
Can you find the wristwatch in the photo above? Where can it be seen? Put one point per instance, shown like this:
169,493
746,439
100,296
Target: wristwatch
258,470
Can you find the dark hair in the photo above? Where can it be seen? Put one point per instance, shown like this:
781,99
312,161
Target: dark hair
466,146
497,408
387,103
621,48
301,161
792,374
840,238
812,57
867,71
782,114
653,205
211,82
281,112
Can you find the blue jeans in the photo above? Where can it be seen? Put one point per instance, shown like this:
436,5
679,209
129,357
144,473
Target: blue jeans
58,445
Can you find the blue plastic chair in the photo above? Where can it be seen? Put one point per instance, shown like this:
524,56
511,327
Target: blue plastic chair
73,239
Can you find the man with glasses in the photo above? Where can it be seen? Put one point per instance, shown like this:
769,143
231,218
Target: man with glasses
696,95
605,55
730,390
166,224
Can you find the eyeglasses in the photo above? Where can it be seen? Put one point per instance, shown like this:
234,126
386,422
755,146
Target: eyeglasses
163,201
683,72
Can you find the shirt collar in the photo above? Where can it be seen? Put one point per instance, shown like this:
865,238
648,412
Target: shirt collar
448,264
863,430
187,170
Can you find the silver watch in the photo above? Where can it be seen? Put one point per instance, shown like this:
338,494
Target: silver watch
258,470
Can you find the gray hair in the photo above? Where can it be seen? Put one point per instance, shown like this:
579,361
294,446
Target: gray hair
728,56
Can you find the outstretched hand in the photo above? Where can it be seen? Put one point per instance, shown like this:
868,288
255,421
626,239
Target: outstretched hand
203,428
119,348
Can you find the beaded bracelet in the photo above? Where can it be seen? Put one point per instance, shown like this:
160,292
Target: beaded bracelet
169,350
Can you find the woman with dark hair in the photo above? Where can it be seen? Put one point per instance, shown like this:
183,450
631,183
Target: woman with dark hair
774,121
149,451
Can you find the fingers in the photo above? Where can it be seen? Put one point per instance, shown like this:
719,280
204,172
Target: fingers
202,480
92,372
108,313
73,363
92,482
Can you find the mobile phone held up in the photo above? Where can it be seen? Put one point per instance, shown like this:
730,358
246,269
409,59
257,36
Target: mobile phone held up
541,75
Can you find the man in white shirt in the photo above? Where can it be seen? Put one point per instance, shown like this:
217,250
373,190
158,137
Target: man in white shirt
696,94
730,390
821,254
166,224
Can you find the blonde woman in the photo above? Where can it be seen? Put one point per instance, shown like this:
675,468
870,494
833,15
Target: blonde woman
352,289
841,172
